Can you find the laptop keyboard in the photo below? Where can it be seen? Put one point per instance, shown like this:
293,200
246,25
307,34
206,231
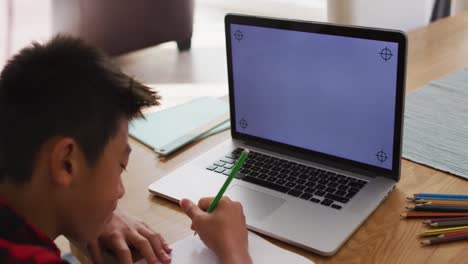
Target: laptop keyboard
299,180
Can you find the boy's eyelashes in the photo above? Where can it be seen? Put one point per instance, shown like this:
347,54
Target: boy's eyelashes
123,167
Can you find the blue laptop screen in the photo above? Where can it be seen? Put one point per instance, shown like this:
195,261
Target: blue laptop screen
330,94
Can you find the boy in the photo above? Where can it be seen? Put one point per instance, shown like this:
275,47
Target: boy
65,111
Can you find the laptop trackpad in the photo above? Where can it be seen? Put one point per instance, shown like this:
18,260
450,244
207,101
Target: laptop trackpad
257,205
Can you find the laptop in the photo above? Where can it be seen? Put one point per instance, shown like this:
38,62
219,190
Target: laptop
320,108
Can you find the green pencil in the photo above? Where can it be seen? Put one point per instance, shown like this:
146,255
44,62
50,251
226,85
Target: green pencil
233,174
235,170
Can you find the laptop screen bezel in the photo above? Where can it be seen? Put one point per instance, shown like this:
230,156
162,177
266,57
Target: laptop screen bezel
328,29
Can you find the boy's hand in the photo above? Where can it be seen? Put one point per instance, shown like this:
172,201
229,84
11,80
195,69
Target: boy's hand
224,230
123,232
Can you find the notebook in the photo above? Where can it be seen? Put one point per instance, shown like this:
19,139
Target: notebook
192,250
168,130
222,127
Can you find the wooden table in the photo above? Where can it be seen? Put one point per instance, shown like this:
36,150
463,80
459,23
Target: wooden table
434,51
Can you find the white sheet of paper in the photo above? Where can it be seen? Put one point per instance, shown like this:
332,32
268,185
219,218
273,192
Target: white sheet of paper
192,250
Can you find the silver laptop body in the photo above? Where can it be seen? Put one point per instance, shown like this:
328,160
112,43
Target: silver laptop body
320,107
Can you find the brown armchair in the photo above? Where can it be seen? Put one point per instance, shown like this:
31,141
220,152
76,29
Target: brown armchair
119,26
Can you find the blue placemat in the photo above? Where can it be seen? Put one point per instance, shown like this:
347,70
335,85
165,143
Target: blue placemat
436,124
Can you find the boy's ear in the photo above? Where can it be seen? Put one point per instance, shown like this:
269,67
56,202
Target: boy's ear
64,161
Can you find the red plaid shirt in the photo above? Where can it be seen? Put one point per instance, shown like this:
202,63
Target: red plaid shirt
21,242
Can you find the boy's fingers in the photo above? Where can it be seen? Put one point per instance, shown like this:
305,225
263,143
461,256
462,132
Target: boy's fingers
190,209
204,203
119,246
95,251
144,246
150,234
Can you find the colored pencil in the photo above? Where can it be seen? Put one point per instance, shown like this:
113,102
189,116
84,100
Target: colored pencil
429,214
235,170
447,202
415,199
418,199
440,240
450,223
438,208
451,195
439,231
438,220
453,234
439,197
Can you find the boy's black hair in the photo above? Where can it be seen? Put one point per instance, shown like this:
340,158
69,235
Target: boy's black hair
62,88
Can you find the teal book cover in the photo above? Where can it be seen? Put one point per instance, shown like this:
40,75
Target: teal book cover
167,130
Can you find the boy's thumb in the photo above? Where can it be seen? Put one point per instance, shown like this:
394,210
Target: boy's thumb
189,208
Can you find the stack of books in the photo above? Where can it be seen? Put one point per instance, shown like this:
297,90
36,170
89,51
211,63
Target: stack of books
446,216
